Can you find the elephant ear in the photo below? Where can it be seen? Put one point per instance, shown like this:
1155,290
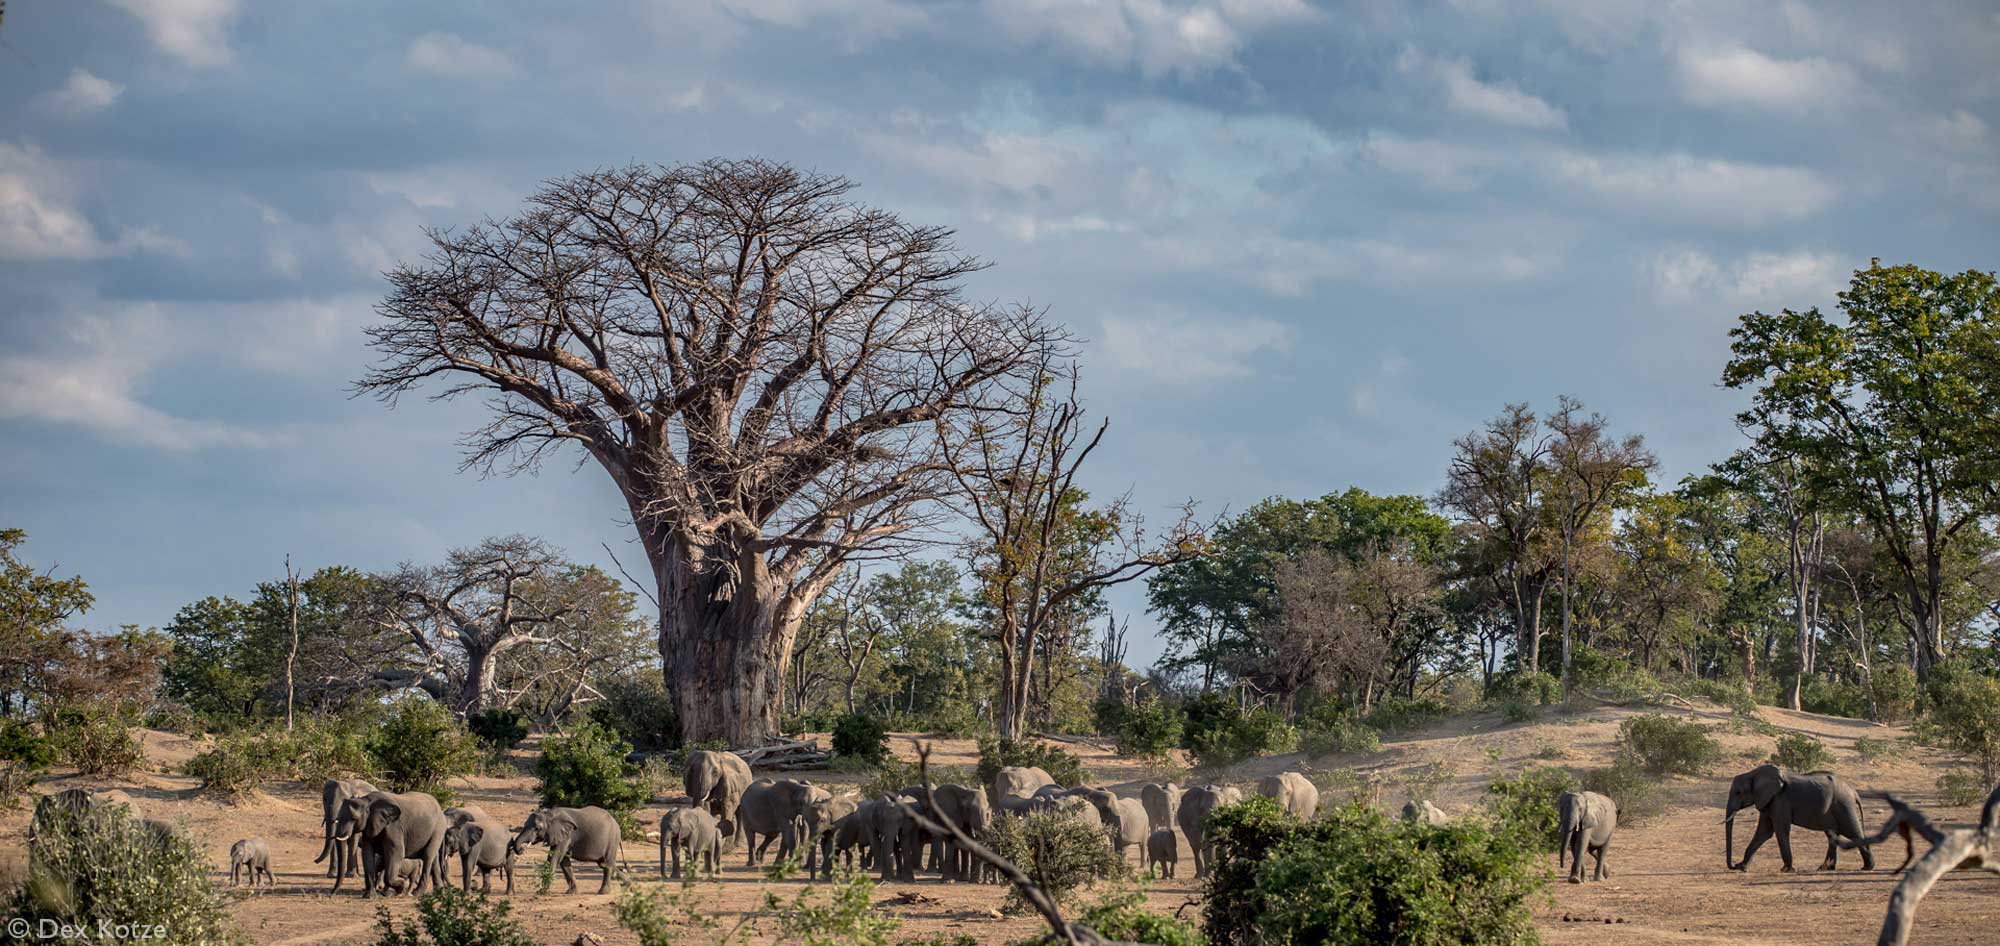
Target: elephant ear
473,833
560,829
389,812
1766,783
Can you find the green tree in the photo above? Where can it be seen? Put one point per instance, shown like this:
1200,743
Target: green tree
212,670
35,606
1887,413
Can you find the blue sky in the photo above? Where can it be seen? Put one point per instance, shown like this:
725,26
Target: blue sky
1310,243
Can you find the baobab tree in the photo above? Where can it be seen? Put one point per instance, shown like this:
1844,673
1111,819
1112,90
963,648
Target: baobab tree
759,363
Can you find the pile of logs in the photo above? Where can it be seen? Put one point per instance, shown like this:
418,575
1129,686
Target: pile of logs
788,756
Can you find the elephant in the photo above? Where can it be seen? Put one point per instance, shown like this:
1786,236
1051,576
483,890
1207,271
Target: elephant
1817,801
332,795
1293,792
850,833
1193,815
1163,851
970,811
457,815
1423,812
1014,785
1161,802
409,874
253,856
388,827
1584,822
81,801
1124,819
716,781
827,814
776,811
694,831
480,844
893,837
588,834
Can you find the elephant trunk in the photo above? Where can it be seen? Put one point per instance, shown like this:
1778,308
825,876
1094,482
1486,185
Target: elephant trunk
1729,836
326,846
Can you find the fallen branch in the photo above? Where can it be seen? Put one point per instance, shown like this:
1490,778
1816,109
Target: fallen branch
1965,848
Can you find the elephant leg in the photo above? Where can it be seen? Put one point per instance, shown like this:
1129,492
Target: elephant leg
569,876
1577,843
1832,859
1784,833
1850,826
1602,871
1757,839
610,869
509,868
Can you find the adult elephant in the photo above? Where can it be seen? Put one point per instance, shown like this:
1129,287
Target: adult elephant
971,811
893,837
716,781
332,794
1293,792
81,802
823,826
388,828
589,834
775,811
1195,808
1014,787
1817,801
1160,800
1124,819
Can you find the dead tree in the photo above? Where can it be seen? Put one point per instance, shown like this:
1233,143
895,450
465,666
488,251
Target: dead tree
1963,849
757,362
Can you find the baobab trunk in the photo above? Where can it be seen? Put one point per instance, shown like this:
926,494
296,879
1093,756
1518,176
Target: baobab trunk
724,641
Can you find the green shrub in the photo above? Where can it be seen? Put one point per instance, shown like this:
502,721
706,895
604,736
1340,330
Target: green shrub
95,737
500,729
637,707
1834,698
244,760
447,916
103,869
1896,693
996,754
1592,671
1060,853
332,747
1730,695
1528,688
1397,714
860,736
1524,806
1801,753
1877,749
1667,744
1357,878
1964,717
1122,916
419,746
940,939
795,724
587,767
1203,713
956,719
1257,732
1148,731
1329,732
1961,787
1638,795
24,755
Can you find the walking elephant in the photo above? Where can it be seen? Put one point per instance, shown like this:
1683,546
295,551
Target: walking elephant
1162,853
774,811
480,845
893,837
716,781
822,827
1293,792
1817,801
1193,815
691,831
969,809
1584,824
387,828
252,856
1161,800
1125,819
588,834
334,793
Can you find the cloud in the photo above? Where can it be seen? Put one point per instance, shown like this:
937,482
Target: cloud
867,17
446,54
91,383
1187,38
39,219
81,94
1737,76
1709,190
194,31
1182,350
1501,103
1761,280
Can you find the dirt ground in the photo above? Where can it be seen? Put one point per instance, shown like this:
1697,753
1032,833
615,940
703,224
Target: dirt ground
1669,885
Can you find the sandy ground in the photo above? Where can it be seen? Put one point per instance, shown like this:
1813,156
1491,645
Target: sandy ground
1669,885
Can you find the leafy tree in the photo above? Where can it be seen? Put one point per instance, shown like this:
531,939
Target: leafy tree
1665,585
587,766
1593,475
211,670
35,606
1498,484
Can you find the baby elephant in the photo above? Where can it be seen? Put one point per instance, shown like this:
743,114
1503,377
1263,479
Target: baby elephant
1426,813
1585,821
694,831
1163,851
251,856
481,846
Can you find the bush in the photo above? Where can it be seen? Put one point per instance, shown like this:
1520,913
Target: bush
588,767
1257,732
794,724
1730,695
1149,731
1356,877
1638,795
1964,717
1396,714
637,707
956,719
103,869
1530,688
1961,787
420,746
1592,670
1667,744
332,747
1895,689
1122,917
1801,753
1058,852
1524,807
1330,731
447,916
244,760
500,729
996,754
860,736
1834,698
1876,749
24,756
95,737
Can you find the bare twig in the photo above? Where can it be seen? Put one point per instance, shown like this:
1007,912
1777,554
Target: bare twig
1965,848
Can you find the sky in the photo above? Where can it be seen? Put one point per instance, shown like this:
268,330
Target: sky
1308,243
